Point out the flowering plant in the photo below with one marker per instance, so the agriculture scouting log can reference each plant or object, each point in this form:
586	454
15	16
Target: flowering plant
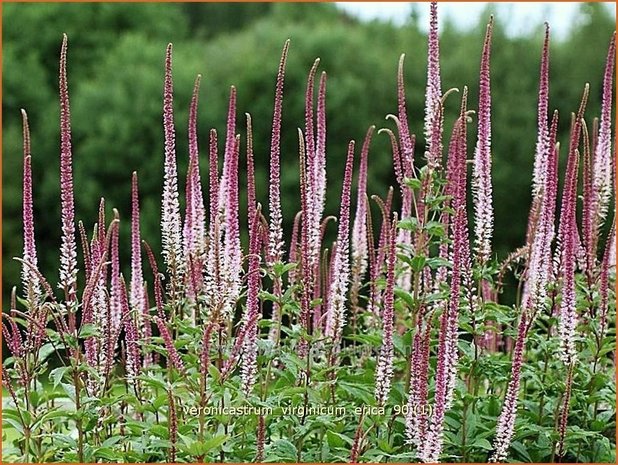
389	344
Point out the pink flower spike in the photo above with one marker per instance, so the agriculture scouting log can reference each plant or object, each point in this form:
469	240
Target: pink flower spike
360	249
213	167
252	315
433	92
146	329
317	173
540	263
158	291
604	280
446	369
230	136
384	369
116	292
506	422
542	143
481	174
335	313
32	288
193	232
137	276
68	248
133	362
172	354
233	253
274	193
575	134
251	196
171	227
309	124
402	117
602	158
568	311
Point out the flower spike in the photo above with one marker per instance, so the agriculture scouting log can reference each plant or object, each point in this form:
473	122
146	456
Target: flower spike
68	248
171	228
32	288
433	93
482	190
602	159
384	370
335	313
274	196
137	276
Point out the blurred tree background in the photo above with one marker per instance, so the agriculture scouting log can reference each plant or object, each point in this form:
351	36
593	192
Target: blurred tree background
116	55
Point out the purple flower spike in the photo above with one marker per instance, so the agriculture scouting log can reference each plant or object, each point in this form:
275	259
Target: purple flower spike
318	173
137	276
335	313
402	117
213	166
172	354
252	315
213	264
230	137
575	134
433	93
384	370
360	250
133	361
506	422
274	193
604	281
171	228
602	159
32	288
233	253
542	143
569	246
539	267
116	292
481	174
68	248
158	291
251	196
193	232
446	369
195	214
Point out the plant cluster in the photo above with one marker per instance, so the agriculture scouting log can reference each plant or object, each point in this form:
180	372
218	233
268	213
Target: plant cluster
389	344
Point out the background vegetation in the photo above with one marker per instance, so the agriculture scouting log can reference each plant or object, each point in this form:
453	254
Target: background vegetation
116	79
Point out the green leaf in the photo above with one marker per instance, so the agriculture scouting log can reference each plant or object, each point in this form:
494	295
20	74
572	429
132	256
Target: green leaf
418	263
57	374
521	450
483	444
413	183
212	443
283	450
